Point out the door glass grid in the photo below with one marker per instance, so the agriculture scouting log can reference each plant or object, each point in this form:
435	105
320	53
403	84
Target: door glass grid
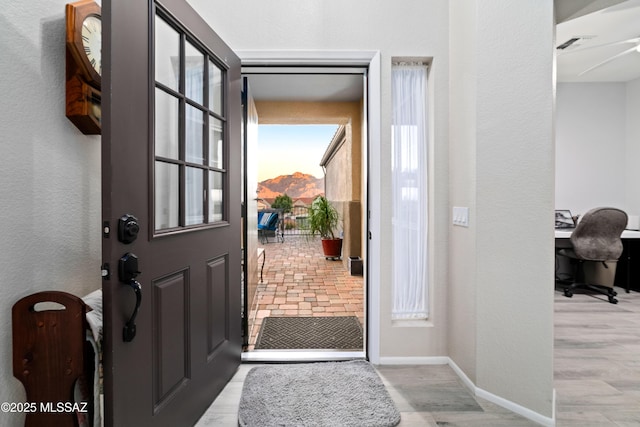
190	131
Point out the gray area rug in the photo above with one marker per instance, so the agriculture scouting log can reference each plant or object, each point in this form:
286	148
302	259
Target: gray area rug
335	333
328	394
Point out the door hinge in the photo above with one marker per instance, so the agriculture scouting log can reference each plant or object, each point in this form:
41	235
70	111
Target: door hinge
105	271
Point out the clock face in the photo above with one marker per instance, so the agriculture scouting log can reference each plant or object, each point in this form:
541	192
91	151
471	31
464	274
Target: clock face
92	41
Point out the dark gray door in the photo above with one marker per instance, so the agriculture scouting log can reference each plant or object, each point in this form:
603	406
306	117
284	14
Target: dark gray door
171	210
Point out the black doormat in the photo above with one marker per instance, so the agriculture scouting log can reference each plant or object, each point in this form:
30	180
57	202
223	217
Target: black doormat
330	333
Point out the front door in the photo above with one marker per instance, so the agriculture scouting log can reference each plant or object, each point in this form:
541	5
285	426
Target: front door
171	210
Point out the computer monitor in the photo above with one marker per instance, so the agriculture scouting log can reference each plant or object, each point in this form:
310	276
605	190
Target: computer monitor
564	219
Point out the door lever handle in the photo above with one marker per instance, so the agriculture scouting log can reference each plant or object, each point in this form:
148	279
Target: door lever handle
127	273
129	331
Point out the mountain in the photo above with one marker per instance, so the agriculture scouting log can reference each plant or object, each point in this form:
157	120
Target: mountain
295	186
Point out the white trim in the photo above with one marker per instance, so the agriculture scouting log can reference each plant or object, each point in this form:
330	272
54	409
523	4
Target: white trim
463	377
518	409
438	360
306	57
371	60
249	70
373	204
477	391
283	356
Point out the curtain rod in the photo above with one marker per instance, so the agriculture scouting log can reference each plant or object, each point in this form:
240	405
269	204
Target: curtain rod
410	63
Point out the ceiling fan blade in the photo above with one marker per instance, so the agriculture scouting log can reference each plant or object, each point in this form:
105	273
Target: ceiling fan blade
633	49
633	40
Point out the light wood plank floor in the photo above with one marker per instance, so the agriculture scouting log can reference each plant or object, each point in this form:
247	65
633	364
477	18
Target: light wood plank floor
597	376
597	360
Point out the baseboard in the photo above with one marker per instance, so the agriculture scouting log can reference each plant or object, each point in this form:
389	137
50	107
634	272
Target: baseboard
463	377
440	360
477	391
518	409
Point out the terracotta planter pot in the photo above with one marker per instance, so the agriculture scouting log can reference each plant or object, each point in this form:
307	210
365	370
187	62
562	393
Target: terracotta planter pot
332	248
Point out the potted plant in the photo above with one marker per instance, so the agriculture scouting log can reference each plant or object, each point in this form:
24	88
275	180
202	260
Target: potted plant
323	221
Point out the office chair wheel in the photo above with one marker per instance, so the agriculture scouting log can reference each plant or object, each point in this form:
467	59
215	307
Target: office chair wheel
612	300
568	293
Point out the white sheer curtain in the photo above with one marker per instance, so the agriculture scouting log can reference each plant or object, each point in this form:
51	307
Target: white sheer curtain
409	181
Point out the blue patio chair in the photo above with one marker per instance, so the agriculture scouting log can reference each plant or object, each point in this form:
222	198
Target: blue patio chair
270	224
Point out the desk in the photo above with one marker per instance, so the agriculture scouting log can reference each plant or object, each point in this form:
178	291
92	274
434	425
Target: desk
628	269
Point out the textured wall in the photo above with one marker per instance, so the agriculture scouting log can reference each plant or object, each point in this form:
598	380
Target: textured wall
50	175
502	168
514	201
342	186
590	146
419	28
632	178
50	198
462	159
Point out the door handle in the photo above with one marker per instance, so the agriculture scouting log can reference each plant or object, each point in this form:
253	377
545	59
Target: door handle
129	331
127	273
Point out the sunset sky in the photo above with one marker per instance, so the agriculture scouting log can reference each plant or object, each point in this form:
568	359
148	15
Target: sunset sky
285	149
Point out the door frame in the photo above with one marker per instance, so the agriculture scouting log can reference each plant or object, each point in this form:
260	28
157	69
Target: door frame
369	59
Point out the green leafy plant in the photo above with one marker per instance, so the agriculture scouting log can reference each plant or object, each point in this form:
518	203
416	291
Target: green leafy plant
323	218
283	202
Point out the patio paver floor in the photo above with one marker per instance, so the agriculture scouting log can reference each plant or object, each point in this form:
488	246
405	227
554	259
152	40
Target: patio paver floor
299	281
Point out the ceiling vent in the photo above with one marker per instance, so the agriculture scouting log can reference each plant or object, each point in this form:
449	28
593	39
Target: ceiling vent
568	43
575	42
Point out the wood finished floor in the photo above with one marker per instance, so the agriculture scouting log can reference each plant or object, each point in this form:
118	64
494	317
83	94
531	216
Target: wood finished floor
597	360
597	376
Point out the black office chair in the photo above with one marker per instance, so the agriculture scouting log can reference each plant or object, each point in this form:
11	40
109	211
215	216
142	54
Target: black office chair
596	239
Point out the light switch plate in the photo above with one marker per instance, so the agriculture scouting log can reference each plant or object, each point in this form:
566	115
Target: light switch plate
461	216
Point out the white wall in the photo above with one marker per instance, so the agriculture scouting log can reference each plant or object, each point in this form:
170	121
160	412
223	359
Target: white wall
591	146
363	25
515	181
632	177
513	98
501	154
50	175
462	160
50	211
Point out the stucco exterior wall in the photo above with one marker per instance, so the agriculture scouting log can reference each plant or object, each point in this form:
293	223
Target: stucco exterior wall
345	192
342	187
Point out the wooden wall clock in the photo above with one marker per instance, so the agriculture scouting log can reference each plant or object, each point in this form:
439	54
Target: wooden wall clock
84	65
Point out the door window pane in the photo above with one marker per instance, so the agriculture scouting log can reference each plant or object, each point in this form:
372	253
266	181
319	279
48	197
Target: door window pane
215	88
194	73
216	143
215	196
166	125
166	195
194	198
167	54
194	130
189	130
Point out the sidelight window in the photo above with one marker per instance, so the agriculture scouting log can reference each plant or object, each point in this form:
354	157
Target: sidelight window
410	190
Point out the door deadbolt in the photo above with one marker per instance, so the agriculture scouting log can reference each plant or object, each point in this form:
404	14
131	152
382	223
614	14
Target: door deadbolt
128	228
